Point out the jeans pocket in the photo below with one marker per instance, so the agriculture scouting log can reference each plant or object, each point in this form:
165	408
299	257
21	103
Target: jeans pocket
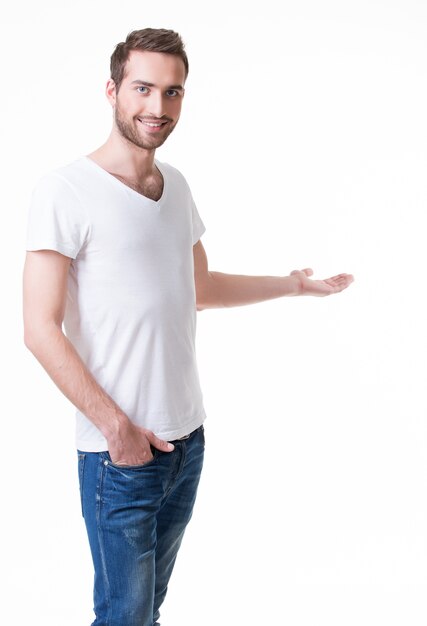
81	466
106	456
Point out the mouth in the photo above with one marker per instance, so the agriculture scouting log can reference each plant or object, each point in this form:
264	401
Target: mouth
152	125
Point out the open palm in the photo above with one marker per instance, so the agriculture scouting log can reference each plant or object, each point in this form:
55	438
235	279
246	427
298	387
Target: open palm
325	287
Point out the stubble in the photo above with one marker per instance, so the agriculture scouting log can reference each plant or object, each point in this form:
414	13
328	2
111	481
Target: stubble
129	131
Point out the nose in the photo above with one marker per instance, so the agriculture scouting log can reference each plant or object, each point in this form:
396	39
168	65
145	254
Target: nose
156	104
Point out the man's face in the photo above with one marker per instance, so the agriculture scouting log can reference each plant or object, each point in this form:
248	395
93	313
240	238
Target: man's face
148	104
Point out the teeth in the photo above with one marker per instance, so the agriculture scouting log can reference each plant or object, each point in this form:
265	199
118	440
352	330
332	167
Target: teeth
152	124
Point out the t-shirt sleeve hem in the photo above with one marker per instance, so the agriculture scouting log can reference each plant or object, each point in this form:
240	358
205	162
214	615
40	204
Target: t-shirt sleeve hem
34	246
198	233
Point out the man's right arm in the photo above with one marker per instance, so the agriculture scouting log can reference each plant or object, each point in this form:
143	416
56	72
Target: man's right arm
45	291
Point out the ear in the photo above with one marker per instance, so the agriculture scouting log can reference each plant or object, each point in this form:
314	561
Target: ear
110	92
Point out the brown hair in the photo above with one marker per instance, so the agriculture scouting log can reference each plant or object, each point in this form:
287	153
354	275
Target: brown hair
152	39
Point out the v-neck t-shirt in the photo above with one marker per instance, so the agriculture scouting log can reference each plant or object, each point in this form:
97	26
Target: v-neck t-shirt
131	305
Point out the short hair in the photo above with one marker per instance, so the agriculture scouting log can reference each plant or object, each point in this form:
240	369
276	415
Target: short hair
151	39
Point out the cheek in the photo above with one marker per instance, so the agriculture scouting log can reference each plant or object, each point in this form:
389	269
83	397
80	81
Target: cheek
175	108
131	104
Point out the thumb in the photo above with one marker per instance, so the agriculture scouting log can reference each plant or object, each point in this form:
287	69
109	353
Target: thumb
307	271
159	444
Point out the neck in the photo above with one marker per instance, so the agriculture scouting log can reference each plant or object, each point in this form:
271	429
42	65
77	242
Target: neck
120	156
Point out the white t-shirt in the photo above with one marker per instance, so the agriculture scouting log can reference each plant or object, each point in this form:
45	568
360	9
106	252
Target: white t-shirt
131	308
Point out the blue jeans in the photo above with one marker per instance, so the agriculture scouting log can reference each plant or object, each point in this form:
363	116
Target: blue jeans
135	519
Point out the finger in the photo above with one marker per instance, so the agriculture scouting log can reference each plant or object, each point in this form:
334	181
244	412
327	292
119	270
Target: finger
126	460
159	444
125	464
343	279
340	282
347	277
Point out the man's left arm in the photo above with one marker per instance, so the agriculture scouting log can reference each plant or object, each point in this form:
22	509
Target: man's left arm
215	289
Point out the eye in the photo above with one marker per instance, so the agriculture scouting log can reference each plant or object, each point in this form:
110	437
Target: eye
142	89
172	93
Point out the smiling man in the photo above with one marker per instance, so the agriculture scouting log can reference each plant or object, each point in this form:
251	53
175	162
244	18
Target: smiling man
114	256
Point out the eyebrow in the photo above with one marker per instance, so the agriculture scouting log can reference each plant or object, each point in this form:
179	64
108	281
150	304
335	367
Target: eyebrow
147	84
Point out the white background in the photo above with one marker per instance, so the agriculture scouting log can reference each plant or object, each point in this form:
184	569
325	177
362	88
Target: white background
303	137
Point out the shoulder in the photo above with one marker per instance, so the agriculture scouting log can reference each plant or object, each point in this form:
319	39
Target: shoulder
66	175
61	191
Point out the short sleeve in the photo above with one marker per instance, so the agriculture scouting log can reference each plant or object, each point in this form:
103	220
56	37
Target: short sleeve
55	218
198	226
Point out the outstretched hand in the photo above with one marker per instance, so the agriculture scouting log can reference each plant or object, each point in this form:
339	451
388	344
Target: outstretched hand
327	287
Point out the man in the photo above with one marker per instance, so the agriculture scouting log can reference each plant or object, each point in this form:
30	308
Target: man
114	253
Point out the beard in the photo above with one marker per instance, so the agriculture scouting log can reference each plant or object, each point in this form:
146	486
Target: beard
129	131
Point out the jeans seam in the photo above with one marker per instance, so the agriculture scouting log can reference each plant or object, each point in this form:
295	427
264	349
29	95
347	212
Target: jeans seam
82	459
102	472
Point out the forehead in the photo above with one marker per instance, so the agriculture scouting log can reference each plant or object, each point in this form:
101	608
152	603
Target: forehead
155	67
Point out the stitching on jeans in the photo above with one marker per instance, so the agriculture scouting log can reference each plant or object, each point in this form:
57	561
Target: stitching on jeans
82	459
99	486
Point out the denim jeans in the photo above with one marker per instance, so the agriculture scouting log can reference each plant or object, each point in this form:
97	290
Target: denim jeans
135	519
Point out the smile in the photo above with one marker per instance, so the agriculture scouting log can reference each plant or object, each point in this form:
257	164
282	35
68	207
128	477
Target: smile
151	124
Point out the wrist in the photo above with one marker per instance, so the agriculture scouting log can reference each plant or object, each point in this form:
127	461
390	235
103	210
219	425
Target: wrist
115	426
293	285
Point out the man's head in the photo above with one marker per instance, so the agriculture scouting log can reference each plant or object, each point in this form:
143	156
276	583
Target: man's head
147	39
146	87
